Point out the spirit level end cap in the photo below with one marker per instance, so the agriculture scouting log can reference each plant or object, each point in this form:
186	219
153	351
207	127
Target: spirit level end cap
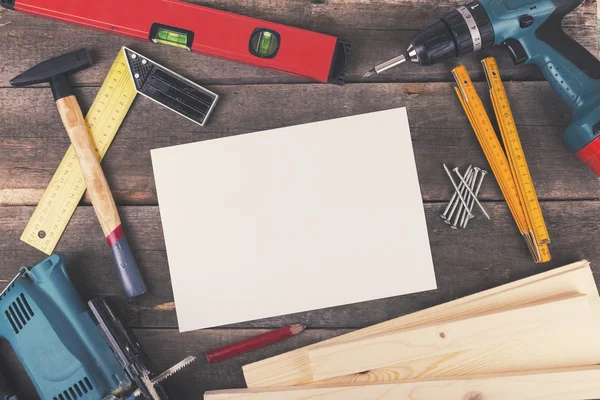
590	155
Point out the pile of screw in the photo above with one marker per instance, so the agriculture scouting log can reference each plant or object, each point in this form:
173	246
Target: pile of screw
460	209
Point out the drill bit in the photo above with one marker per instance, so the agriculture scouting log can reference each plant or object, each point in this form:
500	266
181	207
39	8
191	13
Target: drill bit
387	65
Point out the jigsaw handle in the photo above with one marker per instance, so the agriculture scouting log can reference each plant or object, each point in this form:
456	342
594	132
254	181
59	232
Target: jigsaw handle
55	337
101	196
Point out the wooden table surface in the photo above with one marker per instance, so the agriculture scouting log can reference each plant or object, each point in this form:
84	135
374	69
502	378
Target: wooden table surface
487	254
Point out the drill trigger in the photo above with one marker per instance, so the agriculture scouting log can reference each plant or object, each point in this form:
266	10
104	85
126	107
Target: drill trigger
516	50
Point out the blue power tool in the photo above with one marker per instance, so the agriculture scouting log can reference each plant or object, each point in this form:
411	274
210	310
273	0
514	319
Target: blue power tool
70	351
531	31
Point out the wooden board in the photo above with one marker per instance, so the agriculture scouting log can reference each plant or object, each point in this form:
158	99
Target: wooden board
295	367
90	264
570	384
32	151
553	334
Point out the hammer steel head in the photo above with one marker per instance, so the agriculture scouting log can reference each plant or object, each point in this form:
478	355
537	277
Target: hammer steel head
55	71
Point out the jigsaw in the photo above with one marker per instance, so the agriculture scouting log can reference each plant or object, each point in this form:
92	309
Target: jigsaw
71	351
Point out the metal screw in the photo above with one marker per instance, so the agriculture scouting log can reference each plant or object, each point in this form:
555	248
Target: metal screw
483	174
134	56
460	196
137	76
471	193
144	61
454	198
466	210
470	201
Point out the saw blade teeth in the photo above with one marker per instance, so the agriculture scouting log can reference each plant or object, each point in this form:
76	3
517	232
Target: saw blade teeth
175	368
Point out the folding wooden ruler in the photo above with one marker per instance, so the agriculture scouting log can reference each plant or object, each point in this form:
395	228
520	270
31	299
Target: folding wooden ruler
512	172
130	74
514	150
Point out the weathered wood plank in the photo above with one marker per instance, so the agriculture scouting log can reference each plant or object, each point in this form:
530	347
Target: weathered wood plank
31	150
377	30
485	255
167	347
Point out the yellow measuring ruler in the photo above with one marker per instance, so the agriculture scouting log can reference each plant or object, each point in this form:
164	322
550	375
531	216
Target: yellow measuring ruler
497	159
512	144
67	186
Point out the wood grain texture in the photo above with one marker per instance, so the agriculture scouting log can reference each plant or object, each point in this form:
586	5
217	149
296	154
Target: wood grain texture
378	30
295	367
439	129
510	340
97	186
566	384
483	256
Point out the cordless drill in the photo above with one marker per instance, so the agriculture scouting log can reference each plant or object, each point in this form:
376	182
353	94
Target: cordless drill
531	31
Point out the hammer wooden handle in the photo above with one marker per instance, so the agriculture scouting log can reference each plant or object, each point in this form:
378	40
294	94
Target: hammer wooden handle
97	186
100	194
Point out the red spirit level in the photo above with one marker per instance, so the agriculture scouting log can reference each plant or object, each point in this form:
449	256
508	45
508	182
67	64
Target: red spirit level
204	30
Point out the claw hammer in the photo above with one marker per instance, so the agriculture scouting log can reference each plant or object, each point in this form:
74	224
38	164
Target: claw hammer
55	72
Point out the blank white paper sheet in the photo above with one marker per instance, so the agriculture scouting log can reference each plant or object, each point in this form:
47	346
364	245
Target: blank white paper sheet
293	219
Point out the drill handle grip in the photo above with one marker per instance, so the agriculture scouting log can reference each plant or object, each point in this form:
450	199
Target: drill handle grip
566	64
572	71
574	75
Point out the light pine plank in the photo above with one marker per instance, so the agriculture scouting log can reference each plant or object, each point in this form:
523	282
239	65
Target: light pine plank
293	368
568	384
553	334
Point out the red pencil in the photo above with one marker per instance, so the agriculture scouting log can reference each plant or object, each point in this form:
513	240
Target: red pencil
255	342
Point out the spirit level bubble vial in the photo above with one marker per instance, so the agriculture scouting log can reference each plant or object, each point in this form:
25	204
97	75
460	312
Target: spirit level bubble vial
264	43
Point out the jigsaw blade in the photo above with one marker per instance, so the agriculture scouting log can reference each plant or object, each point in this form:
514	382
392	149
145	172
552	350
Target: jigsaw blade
174	369
168	373
129	352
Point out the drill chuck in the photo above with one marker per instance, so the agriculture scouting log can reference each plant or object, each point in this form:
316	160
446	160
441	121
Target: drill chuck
464	30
